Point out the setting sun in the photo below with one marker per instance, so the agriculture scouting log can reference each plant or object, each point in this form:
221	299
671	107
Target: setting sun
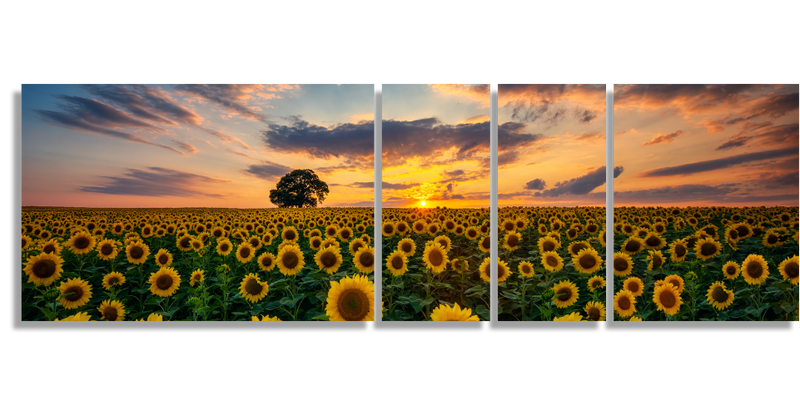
422	203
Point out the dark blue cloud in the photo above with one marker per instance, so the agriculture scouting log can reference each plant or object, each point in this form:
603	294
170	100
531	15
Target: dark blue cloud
268	170
716	164
535	184
156	182
580	185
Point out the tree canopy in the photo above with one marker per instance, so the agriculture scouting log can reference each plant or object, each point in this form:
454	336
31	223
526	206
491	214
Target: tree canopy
298	189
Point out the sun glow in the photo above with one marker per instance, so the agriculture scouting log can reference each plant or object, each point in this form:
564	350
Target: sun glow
422	203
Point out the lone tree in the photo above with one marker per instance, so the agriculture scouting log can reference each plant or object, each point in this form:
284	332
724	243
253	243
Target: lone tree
300	188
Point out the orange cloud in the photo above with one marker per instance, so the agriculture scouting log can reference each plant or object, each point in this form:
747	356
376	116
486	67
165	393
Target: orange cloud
476	119
475	92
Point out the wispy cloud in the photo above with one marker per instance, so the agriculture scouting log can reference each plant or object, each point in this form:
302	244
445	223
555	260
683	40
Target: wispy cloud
716	164
157	182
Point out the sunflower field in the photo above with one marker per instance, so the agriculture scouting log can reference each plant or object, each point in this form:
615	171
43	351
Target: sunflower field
197	264
549	264
706	264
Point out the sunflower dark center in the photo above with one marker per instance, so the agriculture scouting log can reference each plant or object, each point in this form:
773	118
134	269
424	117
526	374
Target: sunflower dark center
487	243
164	282
388	228
620	264
548	246
667	299
253	287
653	241
596	284
772	238
632	286
594	314
137	252
576	248
345	234
353	305
110	314
526	269
397	263
224	247
719	294
624	303
754	269
186	242
328	259
552	261
730	270
509	226
564	294
290	235
742	230
366	259
501	272
245	252
588	261
73	293
290	259
436	258
406	247
82	242
266	261
732	234
657	262
44	268
680	251
513	240
163	259
106	249
471	233
791	269
708	249
113	281
632	246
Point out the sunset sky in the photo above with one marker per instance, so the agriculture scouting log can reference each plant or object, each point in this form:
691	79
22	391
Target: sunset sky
682	145
193	145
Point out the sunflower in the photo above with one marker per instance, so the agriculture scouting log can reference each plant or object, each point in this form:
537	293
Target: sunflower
575	248
164	282
655	260
447	313
137	252
718	296
80	316
266	318
75	293
245	253
435	258
345	233
355	245
587	261
731	270
364	259
511	241
788	269
407	246
667	298
388	229
595	311
472	233
113	279
675	280
289	234
197	277
444	241
771	239
252	288
623	264
397	263
654	241
485	245
596	282
224	247
351	299
678	250
328	259
707	248
266	261
525	269
163	258
624	303
502	270
632	245
184	243
107	249
290	260
26	242
575	316
81	243
152	318
635	319
755	269
112	310
43	269
634	285
552	261
315	242
566	294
